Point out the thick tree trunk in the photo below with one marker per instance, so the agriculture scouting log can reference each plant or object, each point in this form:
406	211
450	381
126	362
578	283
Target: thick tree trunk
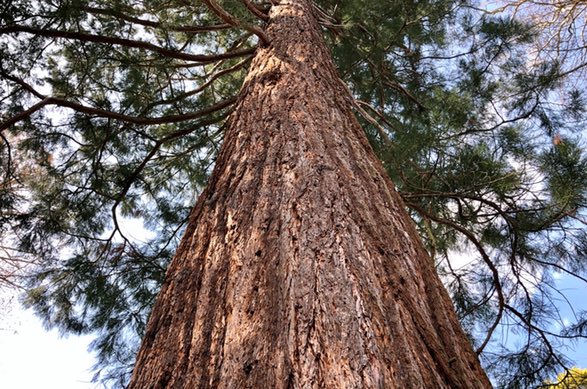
300	267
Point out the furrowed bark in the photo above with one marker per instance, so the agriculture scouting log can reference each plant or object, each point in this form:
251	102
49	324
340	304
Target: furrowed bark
300	267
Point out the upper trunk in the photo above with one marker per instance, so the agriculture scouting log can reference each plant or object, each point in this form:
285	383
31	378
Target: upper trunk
300	267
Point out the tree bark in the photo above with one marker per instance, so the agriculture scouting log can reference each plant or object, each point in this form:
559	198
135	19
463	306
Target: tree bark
300	267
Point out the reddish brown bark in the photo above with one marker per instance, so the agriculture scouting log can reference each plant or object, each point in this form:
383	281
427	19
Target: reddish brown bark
300	267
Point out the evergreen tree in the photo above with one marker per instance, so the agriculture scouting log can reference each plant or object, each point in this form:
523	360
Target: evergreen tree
116	109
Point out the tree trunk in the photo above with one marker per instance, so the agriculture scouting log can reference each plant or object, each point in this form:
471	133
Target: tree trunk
300	267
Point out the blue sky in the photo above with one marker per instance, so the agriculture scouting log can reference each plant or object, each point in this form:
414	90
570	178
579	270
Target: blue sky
576	292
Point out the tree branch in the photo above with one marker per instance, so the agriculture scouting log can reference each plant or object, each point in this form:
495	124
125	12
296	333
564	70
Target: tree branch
255	10
84	37
117	116
233	21
192	92
149	23
494	272
8	174
47	100
23	115
135	174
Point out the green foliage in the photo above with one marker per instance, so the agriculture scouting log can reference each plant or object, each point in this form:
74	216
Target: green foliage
565	170
483	141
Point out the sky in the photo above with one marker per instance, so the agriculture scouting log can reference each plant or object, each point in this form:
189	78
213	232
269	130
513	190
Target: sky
576	293
32	358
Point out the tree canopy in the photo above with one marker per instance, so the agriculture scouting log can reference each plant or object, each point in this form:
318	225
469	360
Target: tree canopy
113	111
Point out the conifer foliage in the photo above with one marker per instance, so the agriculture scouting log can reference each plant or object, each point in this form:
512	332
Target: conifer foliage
113	112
